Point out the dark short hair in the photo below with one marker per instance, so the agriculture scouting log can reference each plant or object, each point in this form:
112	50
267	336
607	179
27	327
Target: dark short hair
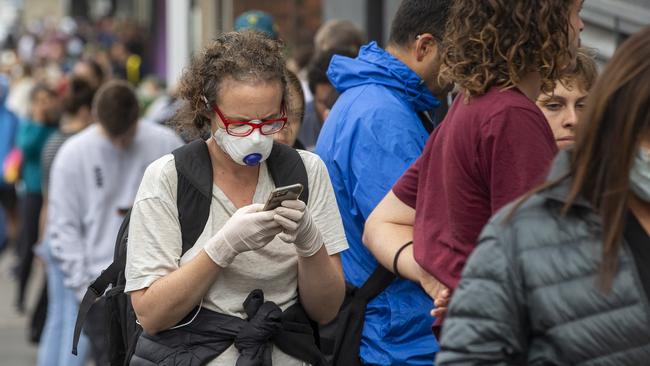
416	17
96	68
317	68
116	107
79	94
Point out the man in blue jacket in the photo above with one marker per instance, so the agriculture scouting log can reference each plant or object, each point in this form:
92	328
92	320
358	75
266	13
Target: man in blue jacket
376	129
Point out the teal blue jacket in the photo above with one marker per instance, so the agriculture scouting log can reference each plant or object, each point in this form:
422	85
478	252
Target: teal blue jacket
31	139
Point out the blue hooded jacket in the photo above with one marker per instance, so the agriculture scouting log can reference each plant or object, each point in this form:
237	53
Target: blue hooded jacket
371	136
8	126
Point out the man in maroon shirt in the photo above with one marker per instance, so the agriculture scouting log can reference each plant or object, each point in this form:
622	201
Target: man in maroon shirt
493	146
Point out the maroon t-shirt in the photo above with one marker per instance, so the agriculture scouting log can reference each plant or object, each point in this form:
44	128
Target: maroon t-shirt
484	155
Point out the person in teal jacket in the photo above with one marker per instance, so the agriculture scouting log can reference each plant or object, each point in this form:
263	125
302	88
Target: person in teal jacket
32	135
377	128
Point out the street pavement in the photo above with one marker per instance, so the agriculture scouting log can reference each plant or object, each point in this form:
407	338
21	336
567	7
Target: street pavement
15	350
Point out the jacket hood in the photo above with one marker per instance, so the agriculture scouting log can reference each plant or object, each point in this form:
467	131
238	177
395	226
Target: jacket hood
376	66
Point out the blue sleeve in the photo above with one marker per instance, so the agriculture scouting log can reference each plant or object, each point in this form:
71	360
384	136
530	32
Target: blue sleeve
384	146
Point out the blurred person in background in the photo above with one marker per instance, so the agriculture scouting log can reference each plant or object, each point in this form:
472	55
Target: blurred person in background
565	105
562	277
493	146
18	100
297	63
56	341
295	105
8	129
33	134
339	34
320	88
93	182
333	34
90	71
375	130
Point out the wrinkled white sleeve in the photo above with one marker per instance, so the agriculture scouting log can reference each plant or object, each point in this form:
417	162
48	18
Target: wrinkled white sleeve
65	219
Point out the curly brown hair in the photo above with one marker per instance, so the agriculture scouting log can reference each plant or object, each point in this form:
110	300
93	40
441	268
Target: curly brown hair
585	72
496	42
245	56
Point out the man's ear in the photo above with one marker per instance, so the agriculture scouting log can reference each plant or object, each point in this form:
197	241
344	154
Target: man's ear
425	44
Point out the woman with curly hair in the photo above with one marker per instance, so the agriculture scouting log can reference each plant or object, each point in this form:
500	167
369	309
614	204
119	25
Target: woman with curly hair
252	271
493	145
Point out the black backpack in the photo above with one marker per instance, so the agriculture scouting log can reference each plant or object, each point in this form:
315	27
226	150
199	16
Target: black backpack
194	196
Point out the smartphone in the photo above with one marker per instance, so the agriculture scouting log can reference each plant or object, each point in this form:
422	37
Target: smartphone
280	194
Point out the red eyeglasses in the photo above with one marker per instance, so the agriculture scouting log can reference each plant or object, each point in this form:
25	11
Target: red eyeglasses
244	128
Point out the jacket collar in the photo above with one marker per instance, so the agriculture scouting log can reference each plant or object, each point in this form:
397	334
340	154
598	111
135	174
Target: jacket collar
561	167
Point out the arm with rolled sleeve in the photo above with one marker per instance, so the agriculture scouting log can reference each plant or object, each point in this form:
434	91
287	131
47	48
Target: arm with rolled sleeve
65	224
486	318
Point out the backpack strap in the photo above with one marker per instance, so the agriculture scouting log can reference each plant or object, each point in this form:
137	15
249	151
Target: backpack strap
343	335
427	121
107	277
286	168
194	193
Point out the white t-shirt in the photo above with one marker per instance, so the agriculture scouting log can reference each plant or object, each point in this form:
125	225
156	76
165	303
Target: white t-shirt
154	248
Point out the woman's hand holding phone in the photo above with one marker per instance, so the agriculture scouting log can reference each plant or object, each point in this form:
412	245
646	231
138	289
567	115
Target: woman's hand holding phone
250	228
298	227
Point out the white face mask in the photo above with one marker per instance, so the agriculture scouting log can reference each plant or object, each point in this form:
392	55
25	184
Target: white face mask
640	175
249	150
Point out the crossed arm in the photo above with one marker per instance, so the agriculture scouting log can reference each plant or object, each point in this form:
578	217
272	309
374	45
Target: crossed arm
387	229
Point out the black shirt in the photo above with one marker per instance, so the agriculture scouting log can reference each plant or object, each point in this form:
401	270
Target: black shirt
639	243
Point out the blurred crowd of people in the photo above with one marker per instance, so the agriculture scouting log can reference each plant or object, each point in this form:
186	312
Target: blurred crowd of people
477	192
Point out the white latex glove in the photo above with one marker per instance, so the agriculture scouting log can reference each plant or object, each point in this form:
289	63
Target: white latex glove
248	229
298	227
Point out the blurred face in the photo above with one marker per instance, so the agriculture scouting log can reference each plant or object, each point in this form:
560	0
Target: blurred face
321	96
45	108
563	110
